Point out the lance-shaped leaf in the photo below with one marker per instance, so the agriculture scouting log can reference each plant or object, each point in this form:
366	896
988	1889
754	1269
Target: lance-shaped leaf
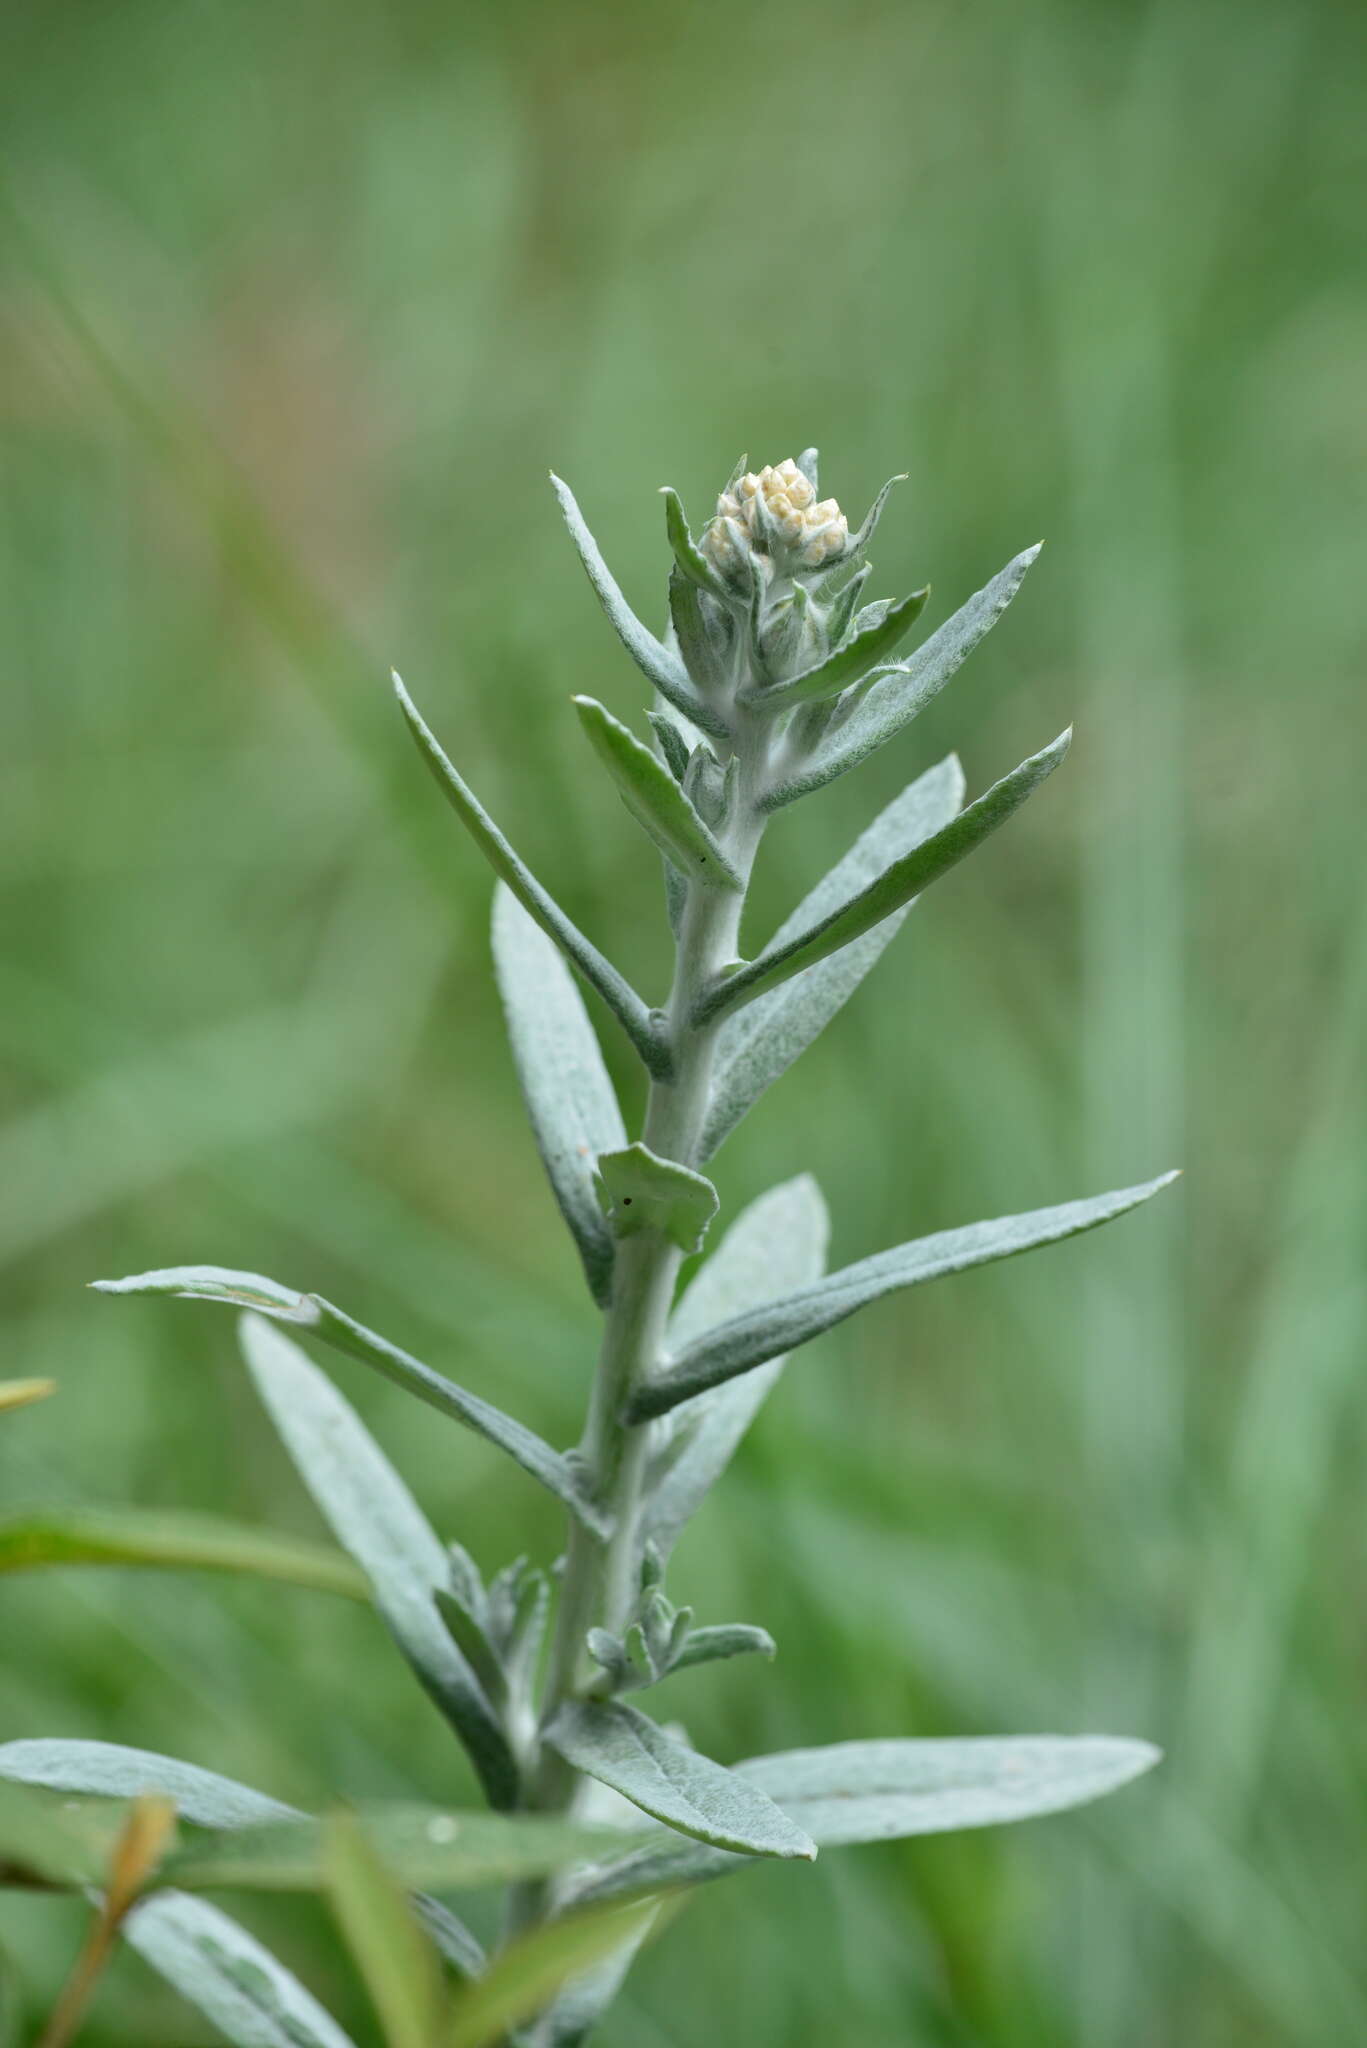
748	1340
893	700
778	1242
599	972
845	664
759	1042
112	1771
655	799
175	1542
374	1517
529	1973
311	1312
228	1976
692	562
886	1791
897	885
434	1848
651	656
860	539
625	1749
640	1191
395	1959
569	1097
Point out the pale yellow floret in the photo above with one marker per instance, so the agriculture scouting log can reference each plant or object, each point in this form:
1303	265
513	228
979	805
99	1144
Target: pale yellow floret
814	532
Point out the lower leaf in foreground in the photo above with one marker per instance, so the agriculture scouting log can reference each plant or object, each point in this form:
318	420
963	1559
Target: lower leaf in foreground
226	1973
853	1792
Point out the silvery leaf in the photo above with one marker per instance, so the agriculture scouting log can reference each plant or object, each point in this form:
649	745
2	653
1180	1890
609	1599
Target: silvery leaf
625	1749
893	700
760	1041
749	1340
569	1097
895	886
374	1516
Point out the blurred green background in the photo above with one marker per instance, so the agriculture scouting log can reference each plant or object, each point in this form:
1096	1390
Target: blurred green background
298	305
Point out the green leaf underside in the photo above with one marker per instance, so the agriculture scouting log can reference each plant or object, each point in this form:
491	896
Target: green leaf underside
66	1842
109	1770
760	1041
597	970
375	1518
651	656
311	1312
655	800
175	1542
625	1749
532	1971
897	885
431	1847
779	1241
565	1085
641	1191
748	1340
228	1976
844	665
397	1963
853	1792
893	700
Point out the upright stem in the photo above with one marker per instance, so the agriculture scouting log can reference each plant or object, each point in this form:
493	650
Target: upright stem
602	1574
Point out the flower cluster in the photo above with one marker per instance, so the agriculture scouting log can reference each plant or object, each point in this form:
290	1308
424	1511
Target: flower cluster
775	511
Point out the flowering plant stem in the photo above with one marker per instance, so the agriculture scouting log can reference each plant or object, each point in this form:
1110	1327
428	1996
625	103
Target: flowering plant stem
773	681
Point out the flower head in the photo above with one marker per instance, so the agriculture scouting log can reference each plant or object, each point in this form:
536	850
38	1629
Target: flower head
775	512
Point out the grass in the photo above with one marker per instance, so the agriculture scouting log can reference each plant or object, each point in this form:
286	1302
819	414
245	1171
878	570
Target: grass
297	309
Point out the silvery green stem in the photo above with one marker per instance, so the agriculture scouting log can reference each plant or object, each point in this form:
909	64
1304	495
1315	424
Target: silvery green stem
601	1575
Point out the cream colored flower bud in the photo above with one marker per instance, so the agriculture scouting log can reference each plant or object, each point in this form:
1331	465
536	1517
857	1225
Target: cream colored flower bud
813	533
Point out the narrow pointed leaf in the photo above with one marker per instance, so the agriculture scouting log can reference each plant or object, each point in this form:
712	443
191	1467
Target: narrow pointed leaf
748	1340
529	1973
570	1100
640	1191
311	1312
432	1848
778	1242
651	656
228	1976
760	1041
729	1639
111	1771
692	562
175	1542
845	665
393	1955
861	538
896	886
599	972
891	702
886	1791
374	1517
625	1749
655	799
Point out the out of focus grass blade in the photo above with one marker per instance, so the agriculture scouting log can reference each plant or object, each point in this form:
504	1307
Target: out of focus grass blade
175	1542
